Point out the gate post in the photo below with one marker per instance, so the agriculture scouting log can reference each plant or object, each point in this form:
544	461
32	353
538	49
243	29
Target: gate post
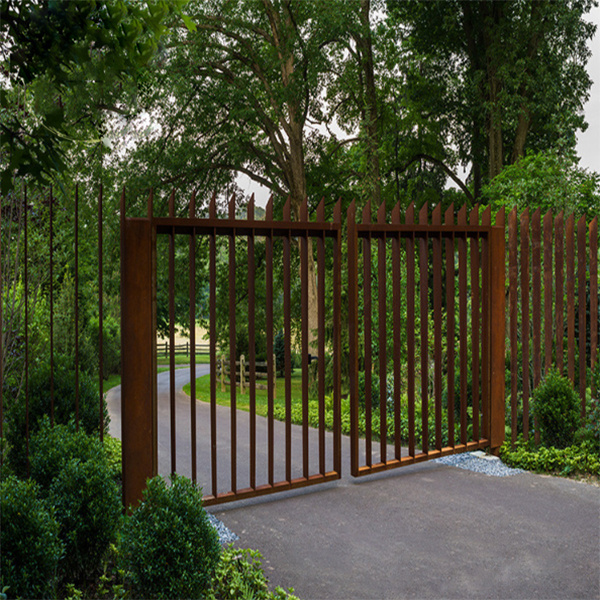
497	341
138	384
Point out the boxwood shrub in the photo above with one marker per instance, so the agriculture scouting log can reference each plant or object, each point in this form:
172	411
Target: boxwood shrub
168	547
31	548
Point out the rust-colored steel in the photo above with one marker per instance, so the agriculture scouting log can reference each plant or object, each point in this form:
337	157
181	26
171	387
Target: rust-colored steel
305	349
171	293
570	259
536	296
548	279
337	340
436	240
524	243
270	366
382	342
450	320
212	278
397	332
559	278
423	314
51	294
582	301
287	328
138	387
321	337
486	269
100	317
410	330
232	351
513	298
368	343
594	293
251	279
26	324
475	317
77	306
192	325
353	335
462	320
497	282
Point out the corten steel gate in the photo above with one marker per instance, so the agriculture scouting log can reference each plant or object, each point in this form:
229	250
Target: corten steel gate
467	386
446	357
226	443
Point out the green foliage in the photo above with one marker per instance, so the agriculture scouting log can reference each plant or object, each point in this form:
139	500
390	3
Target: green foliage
74	473
112	447
168	546
578	459
548	181
40	406
29	540
555	406
239	575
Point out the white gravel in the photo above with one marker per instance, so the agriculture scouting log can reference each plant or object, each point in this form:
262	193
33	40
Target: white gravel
226	536
479	462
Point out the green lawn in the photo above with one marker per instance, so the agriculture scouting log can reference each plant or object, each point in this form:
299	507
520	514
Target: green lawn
182	359
243	400
114	380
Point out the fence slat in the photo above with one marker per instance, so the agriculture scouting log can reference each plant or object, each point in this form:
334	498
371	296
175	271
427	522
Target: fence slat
582	301
594	298
212	277
287	327
450	319
321	337
397	331
436	240
424	311
524	232
192	325
475	321
272	365
462	307
536	297
548	287
486	268
382	302
368	343
410	334
570	258
513	299
304	243
559	278
171	292
251	284
232	348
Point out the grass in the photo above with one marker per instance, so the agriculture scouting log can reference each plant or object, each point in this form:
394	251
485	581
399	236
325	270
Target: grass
243	400
182	359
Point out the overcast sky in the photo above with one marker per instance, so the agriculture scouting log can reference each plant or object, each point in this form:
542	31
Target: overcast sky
588	146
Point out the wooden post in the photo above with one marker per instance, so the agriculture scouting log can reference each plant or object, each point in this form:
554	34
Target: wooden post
222	374
242	373
274	377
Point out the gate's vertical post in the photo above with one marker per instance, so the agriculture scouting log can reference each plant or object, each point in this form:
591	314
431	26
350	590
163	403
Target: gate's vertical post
497	324
353	335
138	385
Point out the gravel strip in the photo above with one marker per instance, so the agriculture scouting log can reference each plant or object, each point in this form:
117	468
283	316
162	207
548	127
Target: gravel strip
479	462
225	535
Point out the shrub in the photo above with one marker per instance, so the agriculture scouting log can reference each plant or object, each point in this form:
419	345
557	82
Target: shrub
40	405
555	406
239	575
168	546
29	539
73	470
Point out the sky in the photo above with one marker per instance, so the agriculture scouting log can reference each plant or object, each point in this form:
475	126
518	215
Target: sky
588	143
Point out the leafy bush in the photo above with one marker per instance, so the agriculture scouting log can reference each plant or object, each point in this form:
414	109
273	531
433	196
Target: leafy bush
112	446
75	475
168	546
555	406
29	539
40	404
579	459
239	575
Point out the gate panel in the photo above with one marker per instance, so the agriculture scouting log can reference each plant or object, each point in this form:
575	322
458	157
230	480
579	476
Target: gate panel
438	287
235	453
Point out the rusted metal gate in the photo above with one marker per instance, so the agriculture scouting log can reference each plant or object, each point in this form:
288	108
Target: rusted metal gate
286	250
407	286
446	357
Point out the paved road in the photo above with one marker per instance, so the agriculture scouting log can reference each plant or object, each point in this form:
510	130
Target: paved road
424	531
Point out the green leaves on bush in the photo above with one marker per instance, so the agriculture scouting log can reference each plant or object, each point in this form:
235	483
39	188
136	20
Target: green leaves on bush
73	471
579	459
239	575
40	406
555	406
168	546
29	540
